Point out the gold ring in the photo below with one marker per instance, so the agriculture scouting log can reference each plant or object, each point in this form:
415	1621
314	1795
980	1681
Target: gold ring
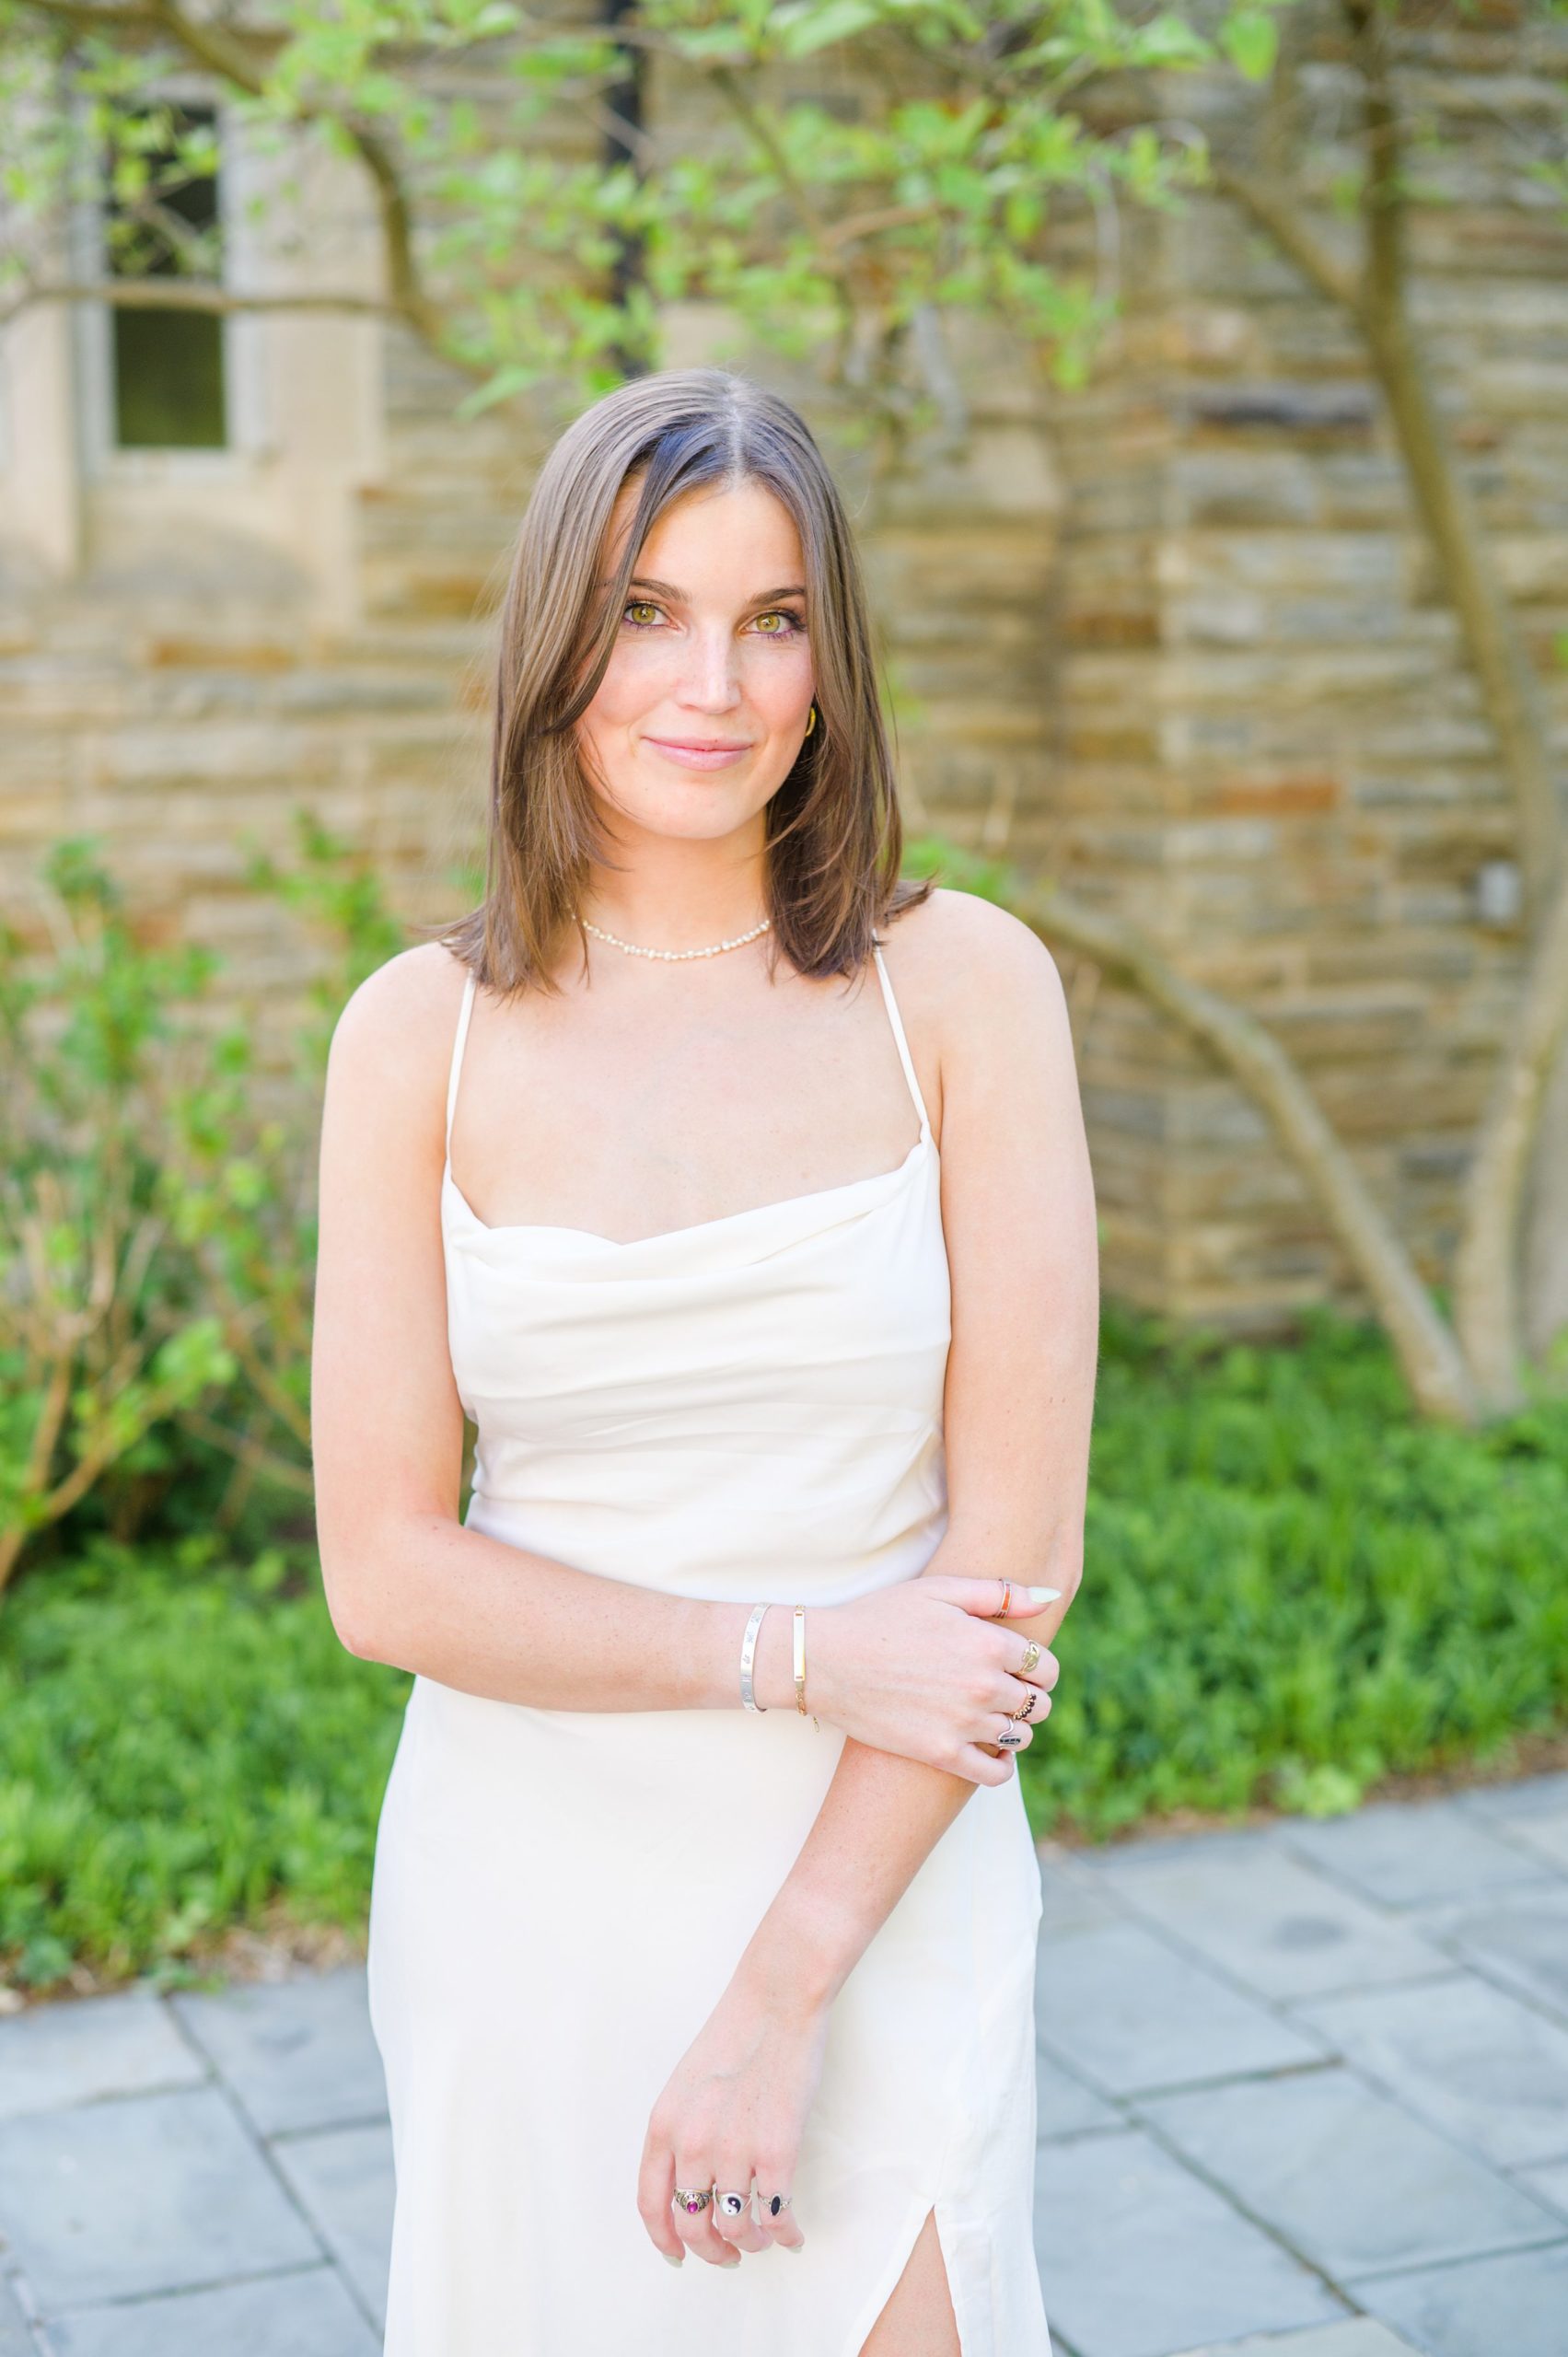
1006	1604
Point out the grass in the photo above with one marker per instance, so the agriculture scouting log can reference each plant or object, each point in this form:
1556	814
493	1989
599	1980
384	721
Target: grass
1293	1592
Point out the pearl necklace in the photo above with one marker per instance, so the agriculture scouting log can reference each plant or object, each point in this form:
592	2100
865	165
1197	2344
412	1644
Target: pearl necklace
712	950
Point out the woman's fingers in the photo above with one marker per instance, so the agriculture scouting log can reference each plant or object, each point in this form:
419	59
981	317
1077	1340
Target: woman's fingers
735	2219
656	2188
993	1599
695	2227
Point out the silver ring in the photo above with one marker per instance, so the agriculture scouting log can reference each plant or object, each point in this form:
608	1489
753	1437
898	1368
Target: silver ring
731	2205
692	2199
1009	1739
774	2202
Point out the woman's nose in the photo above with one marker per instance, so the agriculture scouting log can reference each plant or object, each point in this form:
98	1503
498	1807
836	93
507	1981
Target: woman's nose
711	672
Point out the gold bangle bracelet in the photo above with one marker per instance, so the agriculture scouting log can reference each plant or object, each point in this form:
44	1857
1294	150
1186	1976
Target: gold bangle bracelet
800	1668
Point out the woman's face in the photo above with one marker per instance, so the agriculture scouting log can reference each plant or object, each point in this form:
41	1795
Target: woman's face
700	713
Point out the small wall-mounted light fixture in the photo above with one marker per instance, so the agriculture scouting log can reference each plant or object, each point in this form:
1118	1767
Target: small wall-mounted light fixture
1499	892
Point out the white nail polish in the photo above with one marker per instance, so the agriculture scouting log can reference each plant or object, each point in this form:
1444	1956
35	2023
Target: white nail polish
669	2262
1042	1594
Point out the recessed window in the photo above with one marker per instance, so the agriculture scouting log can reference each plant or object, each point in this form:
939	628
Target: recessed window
163	219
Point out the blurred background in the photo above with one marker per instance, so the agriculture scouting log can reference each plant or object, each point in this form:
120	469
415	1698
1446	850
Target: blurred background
1198	380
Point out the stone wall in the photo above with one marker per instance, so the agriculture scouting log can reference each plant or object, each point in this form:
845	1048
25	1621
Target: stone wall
1174	637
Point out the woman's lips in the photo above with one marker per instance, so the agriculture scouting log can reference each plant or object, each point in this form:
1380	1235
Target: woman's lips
691	757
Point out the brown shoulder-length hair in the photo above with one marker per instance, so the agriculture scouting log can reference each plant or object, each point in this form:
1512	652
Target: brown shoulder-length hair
834	839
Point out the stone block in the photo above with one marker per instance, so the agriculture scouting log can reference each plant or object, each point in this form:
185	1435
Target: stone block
1474	2061
149	2193
1138	2257
1409	1855
1131	2012
79	2050
1346	2177
298	2053
1518	1936
307	2315
1510	2304
1265	1918
345	2182
15	2335
1357	2337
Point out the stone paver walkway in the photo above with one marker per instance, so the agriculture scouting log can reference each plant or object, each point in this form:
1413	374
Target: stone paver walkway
1304	2092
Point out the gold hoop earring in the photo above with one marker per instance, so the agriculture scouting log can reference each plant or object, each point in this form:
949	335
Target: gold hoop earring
811	721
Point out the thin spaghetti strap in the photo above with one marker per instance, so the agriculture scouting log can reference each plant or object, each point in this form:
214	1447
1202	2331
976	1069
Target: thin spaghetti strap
458	1046
903	1046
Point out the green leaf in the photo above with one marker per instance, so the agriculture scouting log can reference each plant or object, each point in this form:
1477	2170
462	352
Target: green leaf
1250	39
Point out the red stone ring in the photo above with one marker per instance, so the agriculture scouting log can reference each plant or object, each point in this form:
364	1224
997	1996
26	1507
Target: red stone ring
692	2201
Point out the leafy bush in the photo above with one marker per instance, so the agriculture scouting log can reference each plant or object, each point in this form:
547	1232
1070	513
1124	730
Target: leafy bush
158	1231
182	1741
1294	1585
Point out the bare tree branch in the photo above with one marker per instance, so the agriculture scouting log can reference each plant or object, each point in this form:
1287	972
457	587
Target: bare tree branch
1486	1285
1428	1353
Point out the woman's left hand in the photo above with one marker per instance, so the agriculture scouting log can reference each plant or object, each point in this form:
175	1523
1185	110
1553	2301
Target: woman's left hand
734	2109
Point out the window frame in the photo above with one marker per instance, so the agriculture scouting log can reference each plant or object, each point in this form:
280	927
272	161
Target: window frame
246	440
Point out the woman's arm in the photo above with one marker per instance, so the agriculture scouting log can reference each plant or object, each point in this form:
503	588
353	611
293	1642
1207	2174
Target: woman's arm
408	1582
1019	1217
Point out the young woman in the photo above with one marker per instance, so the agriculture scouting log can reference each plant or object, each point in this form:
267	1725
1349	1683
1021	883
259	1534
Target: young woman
782	1414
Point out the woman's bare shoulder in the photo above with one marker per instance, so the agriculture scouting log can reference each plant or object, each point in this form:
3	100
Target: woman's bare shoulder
965	965
392	1042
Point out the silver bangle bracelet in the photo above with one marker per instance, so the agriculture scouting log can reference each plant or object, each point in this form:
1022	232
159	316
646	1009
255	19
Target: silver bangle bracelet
748	1658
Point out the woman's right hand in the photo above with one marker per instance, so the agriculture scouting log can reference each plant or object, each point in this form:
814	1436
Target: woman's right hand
922	1669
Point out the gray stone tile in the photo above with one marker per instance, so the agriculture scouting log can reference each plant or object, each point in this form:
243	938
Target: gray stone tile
282	2316
1532	1815
1242	1900
1518	1937
1358	2337
1075	1898
16	2339
1066	2106
147	2194
1346	2177
1514	2305
1138	2257
1476	2062
1123	2007
342	2178
1406	1855
83	2048
1549	2185
1526	1796
298	2053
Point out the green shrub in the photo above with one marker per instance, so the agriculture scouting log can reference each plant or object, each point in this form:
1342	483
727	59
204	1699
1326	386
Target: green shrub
1294	1587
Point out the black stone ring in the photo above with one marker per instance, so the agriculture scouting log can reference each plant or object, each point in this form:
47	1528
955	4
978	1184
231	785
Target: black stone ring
774	2202
1009	1739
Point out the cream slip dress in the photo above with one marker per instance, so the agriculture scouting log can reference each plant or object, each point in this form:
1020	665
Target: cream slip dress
747	1408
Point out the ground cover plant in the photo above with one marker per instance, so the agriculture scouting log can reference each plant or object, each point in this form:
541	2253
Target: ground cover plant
1295	1587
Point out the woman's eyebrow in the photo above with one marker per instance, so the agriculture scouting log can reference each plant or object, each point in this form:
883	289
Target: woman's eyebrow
668	590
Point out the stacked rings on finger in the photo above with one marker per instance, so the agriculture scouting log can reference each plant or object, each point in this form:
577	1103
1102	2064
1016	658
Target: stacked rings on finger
692	2198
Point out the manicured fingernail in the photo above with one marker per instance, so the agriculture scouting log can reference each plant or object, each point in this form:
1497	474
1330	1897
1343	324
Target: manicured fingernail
671	2261
728	2263
1042	1594
796	2247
